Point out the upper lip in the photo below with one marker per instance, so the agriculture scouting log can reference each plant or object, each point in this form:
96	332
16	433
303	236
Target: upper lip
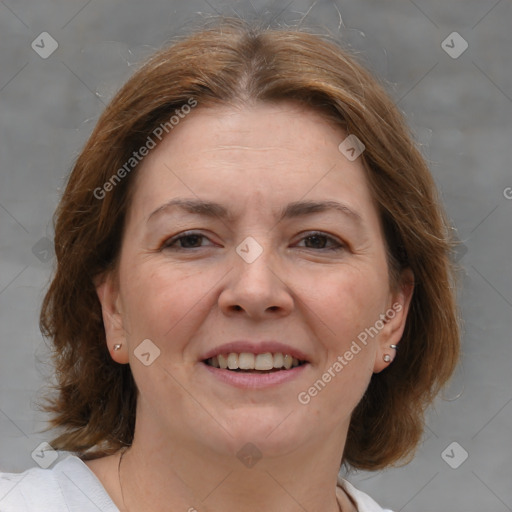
255	347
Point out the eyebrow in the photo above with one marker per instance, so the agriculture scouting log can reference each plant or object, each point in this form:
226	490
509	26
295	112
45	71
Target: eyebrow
292	210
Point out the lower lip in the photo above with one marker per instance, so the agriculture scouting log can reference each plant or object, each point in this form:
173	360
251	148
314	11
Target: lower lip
255	380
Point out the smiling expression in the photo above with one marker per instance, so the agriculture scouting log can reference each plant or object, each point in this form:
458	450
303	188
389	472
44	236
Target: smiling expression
252	257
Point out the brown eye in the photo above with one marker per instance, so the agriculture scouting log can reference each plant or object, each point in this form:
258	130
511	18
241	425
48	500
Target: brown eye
321	241
185	241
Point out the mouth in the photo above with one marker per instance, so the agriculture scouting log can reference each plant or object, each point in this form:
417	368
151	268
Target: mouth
255	365
246	362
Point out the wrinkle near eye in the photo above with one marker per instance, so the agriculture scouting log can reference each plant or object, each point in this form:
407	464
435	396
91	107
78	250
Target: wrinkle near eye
249	148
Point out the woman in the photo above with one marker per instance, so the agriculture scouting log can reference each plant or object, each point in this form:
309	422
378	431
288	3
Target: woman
253	287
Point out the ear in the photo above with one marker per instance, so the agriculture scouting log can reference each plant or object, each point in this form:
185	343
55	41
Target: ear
394	321
107	289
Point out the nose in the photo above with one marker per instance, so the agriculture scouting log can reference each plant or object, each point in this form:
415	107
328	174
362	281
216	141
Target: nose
256	290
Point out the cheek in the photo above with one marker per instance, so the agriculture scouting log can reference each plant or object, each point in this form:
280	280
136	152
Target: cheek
351	304
350	301
167	302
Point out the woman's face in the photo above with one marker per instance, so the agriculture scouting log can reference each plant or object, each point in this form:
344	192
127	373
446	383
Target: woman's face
251	233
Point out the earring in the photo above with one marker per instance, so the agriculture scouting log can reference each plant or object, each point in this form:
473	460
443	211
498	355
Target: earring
387	358
394	347
117	346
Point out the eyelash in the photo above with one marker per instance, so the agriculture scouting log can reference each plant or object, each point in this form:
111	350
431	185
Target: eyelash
338	245
168	244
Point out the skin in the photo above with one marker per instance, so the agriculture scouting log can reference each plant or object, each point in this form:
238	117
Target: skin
316	294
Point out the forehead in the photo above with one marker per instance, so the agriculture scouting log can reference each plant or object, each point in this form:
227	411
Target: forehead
251	156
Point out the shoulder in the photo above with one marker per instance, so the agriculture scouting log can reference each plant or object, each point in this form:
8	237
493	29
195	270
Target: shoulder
361	500
69	485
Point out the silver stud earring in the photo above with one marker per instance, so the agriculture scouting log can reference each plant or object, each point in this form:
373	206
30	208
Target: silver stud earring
394	347
387	358
117	346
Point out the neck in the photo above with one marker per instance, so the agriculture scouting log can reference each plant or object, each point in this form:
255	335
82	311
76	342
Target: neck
179	477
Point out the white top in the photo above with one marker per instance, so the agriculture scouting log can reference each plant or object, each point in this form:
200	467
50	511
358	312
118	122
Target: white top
70	486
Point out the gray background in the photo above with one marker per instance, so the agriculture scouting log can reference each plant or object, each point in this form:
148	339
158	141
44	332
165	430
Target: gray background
459	109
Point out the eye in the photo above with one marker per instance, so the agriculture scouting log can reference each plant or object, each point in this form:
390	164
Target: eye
322	241
188	240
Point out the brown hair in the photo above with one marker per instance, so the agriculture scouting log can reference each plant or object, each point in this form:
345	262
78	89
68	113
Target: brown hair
231	63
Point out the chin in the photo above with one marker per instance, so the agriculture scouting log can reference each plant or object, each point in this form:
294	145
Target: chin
273	431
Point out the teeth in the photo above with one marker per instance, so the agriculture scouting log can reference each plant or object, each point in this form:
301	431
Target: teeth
233	361
223	362
248	361
264	361
278	360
